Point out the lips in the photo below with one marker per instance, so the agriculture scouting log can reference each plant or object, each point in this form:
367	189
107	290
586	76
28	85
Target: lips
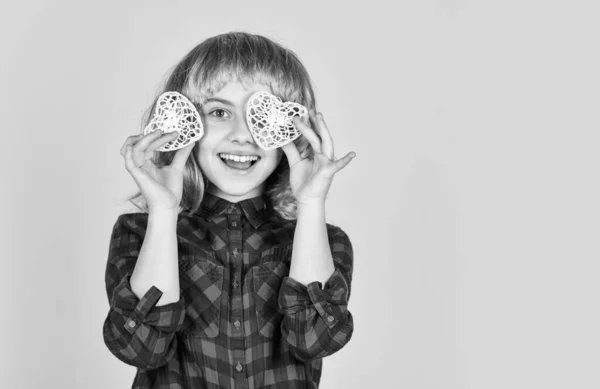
239	162
238	165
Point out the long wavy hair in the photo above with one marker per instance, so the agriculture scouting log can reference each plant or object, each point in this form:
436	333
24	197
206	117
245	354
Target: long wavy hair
208	67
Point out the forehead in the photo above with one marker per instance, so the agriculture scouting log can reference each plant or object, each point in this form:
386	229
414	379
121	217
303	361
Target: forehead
238	92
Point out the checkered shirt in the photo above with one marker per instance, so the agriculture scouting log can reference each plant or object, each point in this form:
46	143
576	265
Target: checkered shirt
241	321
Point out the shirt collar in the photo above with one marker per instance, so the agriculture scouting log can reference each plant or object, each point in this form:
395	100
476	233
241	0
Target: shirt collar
257	209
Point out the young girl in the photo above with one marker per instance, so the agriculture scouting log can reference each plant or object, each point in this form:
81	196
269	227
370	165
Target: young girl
230	278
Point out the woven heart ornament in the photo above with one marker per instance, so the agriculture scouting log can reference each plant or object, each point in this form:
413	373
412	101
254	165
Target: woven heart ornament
270	120
174	112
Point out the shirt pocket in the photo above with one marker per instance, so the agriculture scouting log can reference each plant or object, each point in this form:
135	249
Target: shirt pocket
202	287
267	278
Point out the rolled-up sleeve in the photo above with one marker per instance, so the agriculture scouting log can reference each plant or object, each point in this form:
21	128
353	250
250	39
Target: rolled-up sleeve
317	322
136	331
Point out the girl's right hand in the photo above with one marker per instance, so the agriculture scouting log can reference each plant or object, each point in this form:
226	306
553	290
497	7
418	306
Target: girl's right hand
162	187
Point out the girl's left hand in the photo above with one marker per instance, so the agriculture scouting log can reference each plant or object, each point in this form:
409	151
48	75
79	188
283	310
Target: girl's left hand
310	179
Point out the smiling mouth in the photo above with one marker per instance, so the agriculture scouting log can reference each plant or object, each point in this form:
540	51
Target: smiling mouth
239	162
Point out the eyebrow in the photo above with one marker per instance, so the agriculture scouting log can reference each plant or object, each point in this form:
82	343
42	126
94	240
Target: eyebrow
217	100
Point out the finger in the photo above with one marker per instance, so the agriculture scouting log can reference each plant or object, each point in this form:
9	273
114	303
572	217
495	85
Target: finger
161	141
321	129
343	162
182	155
292	153
130	140
138	144
135	160
141	177
130	164
154	145
326	141
309	133
143	143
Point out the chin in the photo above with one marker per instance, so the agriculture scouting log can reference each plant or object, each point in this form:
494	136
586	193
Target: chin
228	182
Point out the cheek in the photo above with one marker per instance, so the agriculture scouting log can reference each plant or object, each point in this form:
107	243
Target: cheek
277	155
275	159
203	155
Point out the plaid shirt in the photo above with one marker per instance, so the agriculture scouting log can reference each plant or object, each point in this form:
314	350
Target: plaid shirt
241	321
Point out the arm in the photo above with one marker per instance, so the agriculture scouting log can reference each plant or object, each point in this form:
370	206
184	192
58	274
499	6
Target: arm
311	256
142	320
317	322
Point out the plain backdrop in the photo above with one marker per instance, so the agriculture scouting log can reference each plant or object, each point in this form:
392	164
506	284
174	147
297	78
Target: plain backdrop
472	203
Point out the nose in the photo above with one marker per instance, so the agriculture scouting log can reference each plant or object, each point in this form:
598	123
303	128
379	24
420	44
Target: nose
240	133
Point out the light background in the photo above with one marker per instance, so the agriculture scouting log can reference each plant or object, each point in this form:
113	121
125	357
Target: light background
472	203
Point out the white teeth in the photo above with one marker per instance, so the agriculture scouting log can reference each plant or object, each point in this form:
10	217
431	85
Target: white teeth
239	158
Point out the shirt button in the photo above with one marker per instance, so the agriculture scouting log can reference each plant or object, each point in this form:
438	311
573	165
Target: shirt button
235	283
131	323
236	252
330	318
238	367
234	224
236	323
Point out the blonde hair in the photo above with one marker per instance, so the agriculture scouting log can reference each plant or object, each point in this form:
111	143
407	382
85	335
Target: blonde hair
208	67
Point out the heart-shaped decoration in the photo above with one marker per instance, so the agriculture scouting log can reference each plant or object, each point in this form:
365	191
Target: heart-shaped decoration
174	112
270	120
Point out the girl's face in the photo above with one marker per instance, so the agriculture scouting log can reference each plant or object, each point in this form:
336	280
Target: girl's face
227	153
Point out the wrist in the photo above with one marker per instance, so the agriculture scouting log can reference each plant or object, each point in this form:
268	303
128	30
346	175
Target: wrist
163	213
311	206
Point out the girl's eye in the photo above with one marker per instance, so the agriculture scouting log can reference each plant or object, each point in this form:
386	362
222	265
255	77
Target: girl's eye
219	113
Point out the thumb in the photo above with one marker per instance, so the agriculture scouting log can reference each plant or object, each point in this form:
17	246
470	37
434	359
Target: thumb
342	162
182	155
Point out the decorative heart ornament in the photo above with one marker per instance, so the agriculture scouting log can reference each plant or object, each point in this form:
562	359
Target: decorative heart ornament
174	112
270	120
